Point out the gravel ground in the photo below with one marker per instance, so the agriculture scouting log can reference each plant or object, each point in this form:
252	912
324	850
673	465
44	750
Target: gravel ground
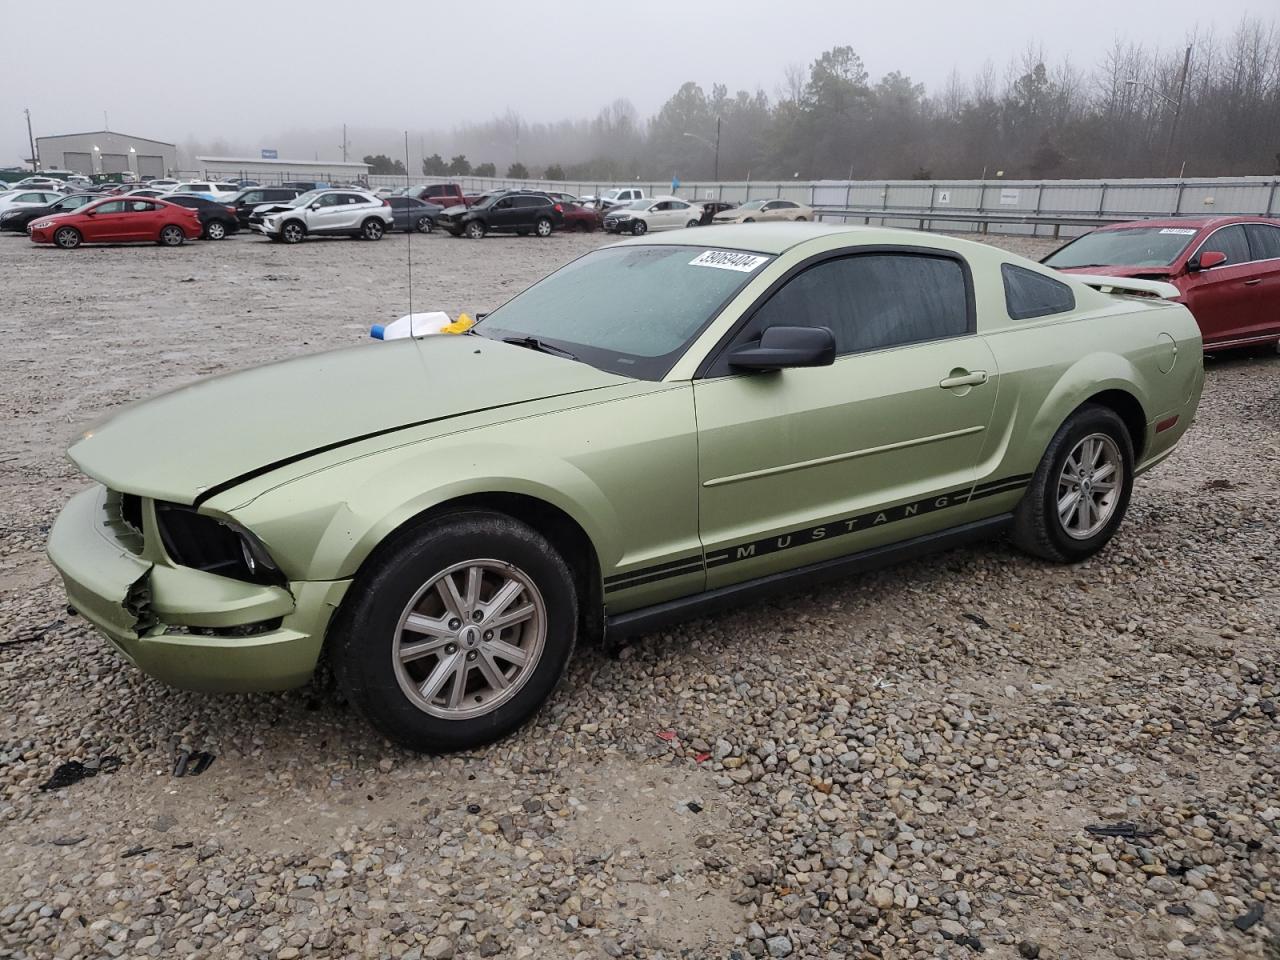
906	764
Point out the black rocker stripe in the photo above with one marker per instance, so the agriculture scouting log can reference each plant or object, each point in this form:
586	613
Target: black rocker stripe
670	568
814	534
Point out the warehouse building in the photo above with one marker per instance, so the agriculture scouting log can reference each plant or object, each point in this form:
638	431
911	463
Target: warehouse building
279	171
105	151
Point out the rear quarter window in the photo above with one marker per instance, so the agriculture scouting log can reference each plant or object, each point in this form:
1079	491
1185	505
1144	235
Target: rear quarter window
1028	295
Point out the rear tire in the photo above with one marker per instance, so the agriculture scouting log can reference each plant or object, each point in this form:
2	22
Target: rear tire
172	236
215	230
1080	492
543	227
68	238
420	598
475	230
372	229
800	219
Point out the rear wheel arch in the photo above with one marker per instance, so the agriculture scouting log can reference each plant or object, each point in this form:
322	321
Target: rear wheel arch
1129	409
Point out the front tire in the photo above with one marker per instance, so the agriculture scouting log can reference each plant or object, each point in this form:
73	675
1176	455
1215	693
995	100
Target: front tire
475	230
691	224
458	633
172	236
1080	492
749	220
68	238
639	228
293	232
372	229
424	225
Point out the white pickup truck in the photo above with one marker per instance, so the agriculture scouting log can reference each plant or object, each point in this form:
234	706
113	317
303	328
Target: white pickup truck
615	197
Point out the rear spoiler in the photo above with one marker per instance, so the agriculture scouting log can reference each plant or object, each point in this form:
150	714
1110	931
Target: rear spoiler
1130	286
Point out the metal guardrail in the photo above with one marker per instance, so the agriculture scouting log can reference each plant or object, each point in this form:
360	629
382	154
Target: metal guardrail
982	218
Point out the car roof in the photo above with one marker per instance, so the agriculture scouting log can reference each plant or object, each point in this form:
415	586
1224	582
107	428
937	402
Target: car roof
778	238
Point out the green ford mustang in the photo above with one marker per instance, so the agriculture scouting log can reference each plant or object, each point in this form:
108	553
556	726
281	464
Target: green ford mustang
660	428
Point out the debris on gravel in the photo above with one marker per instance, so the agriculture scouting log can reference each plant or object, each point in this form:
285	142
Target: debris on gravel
972	753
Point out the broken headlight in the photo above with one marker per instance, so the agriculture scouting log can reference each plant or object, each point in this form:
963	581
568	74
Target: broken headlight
206	543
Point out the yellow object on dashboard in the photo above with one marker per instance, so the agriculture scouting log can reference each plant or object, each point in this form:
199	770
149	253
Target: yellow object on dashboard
461	325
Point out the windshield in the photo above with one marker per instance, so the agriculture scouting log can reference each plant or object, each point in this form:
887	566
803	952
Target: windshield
1130	247
636	205
753	205
627	310
487	201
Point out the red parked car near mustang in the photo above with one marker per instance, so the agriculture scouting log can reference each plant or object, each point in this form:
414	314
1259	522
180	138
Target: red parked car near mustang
119	220
1227	268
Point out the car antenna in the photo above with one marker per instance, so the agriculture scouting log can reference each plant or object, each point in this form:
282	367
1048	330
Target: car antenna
408	246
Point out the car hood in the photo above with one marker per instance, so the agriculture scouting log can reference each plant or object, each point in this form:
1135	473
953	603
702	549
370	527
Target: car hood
1120	271
182	445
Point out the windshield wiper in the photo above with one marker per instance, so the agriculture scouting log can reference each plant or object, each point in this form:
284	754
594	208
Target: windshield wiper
533	343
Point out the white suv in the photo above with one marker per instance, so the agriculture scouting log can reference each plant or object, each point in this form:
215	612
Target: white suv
329	213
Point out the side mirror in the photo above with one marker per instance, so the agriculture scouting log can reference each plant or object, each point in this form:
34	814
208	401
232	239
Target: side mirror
781	347
1206	259
315	206
91	213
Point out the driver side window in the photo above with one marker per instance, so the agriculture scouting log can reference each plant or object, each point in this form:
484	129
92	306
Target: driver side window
1232	241
872	301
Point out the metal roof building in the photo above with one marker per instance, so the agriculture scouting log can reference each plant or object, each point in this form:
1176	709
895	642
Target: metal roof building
278	171
105	151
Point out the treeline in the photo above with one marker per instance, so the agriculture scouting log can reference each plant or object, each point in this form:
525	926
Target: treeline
1132	114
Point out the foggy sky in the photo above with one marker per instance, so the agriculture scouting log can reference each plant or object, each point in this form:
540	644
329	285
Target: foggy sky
250	73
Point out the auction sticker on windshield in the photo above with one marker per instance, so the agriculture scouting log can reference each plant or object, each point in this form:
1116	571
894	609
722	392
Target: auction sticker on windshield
1180	231
727	260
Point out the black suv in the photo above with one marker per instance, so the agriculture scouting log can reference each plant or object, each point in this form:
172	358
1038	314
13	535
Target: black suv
251	197
514	211
218	219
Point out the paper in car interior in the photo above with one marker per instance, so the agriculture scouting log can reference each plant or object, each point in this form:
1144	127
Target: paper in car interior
728	260
1181	231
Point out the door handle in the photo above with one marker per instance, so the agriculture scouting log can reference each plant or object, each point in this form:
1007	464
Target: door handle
1250	283
974	379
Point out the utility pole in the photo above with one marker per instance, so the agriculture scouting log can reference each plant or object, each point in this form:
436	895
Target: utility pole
716	170
35	161
1177	106
344	143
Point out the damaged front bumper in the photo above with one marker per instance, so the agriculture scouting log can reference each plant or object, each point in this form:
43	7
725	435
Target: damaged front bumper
186	627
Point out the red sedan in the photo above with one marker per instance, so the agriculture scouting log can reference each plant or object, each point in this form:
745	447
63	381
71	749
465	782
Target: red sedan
578	217
119	220
1227	268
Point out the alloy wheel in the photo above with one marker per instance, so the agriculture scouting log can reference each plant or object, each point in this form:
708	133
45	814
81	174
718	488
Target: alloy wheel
469	639
67	238
292	233
1089	486
215	231
171	236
